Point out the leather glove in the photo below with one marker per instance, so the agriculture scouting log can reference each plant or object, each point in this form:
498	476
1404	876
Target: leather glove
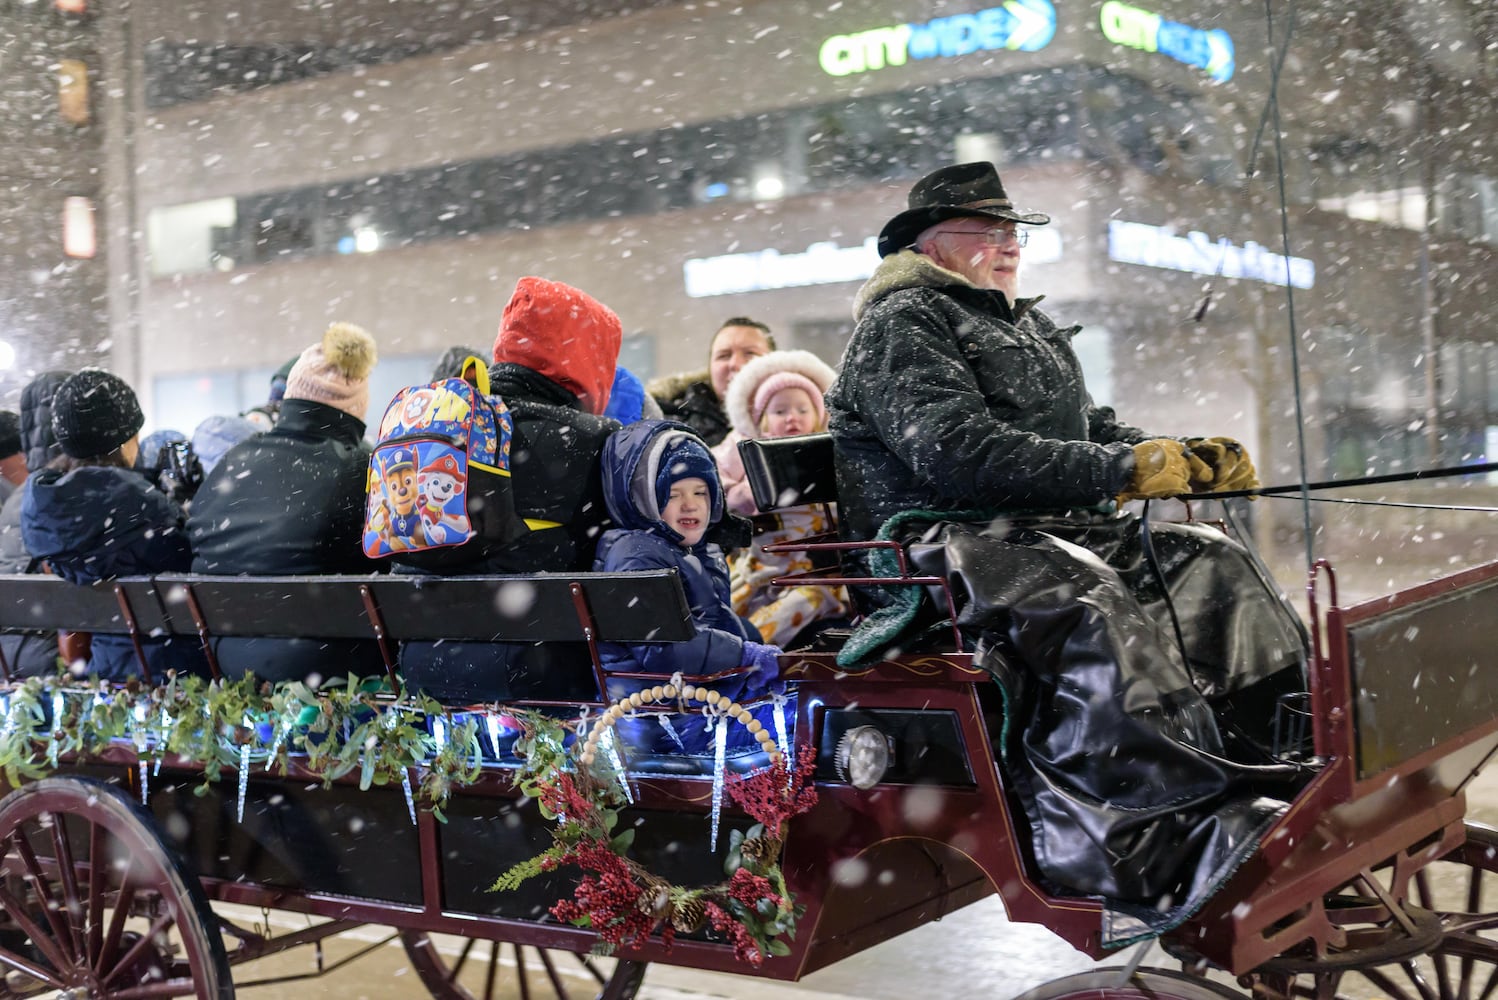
765	659
1160	470
1229	464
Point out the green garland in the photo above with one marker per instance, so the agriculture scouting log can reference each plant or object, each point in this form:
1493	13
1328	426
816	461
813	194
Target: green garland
336	730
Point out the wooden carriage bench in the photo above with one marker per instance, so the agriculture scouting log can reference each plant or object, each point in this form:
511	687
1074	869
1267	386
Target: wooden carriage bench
580	609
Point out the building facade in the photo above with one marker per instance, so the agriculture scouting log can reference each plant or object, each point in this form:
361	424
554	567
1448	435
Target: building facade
686	162
53	270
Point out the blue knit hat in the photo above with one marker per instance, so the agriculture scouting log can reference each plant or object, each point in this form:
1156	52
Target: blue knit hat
686	457
627	398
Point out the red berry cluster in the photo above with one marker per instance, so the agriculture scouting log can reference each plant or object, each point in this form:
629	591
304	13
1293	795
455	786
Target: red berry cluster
749	888
775	795
745	948
564	798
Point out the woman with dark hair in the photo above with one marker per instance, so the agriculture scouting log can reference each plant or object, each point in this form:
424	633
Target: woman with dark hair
89	516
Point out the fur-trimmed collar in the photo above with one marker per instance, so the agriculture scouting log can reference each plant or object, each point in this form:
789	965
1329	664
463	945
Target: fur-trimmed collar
747	382
909	269
671	386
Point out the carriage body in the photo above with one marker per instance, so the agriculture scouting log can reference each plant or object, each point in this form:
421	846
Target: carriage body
940	829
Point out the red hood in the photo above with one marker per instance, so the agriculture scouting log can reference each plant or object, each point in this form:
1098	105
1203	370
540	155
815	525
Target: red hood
563	333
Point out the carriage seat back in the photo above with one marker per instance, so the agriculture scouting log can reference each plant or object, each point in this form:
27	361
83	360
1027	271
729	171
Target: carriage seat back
790	471
541	611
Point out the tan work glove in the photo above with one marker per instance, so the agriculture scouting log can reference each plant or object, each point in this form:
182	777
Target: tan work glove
1229	466
1160	470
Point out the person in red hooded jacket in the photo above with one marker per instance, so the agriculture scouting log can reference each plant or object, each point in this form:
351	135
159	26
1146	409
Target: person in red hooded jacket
554	363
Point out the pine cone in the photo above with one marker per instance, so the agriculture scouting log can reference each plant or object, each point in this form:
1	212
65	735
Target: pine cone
655	900
760	849
689	916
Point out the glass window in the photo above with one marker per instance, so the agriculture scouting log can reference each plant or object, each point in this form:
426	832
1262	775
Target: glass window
78	235
197	236
72	91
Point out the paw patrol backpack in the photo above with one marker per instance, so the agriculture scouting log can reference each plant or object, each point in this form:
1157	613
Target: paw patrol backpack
439	491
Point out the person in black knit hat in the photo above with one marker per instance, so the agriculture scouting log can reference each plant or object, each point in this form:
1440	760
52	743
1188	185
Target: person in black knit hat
90	517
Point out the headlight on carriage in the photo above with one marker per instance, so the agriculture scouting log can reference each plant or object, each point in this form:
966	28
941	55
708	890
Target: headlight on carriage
863	755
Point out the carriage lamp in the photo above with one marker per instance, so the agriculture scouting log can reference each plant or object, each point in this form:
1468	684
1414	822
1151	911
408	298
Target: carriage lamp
863	756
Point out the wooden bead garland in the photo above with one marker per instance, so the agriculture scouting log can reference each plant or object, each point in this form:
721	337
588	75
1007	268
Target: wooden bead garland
689	692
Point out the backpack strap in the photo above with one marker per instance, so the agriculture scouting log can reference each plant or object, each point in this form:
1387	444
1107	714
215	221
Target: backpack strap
476	373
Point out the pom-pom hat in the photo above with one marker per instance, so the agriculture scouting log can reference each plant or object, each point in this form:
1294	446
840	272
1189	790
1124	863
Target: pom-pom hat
94	412
750	391
336	371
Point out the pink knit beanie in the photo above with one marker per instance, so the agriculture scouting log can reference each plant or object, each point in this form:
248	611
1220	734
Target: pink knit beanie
336	371
786	380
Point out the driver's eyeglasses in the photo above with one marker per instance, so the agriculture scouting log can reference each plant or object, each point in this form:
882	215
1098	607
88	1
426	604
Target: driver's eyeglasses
996	237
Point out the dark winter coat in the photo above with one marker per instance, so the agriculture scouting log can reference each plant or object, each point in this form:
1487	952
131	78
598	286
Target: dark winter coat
554	467
689	398
642	543
29	655
554	471
948	399
284	503
99	522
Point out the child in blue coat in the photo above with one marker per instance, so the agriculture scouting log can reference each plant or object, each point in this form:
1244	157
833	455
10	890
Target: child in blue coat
661	485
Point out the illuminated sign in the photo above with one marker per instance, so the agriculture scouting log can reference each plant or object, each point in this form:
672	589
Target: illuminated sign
821	264
1026	25
1159	246
1139	29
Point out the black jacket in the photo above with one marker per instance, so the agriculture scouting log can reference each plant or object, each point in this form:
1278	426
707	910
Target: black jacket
690	399
286	502
948	399
99	522
554	469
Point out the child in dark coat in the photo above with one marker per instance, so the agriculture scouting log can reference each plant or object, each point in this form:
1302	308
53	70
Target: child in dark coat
662	488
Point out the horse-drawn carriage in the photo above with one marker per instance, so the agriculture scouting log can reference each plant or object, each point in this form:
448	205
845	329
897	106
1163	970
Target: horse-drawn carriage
116	863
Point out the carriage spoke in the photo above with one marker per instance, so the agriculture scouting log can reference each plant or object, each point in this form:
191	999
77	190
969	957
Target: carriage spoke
116	931
42	886
138	949
41	973
67	877
44	941
1488	987
593	969
551	973
98	885
522	978
1392	989
452	976
491	972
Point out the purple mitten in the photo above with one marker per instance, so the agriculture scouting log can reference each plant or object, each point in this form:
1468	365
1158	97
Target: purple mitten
765	659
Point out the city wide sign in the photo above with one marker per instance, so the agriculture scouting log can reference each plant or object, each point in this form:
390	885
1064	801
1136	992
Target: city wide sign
1210	51
1024	25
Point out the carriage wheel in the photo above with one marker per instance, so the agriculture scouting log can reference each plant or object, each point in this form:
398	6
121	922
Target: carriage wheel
95	905
1462	891
1143	984
479	968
